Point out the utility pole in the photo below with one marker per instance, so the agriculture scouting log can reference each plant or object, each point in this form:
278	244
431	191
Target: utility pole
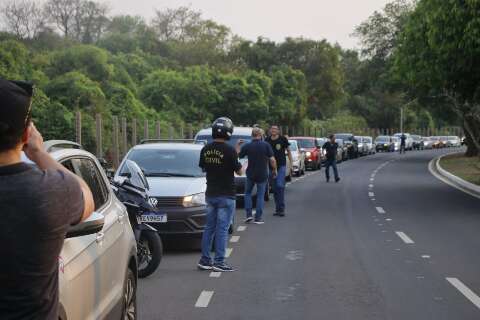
401	120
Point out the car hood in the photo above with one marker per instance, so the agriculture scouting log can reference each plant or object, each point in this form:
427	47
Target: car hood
175	186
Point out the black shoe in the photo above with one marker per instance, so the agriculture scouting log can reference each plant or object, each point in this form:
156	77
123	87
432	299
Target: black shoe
259	221
276	213
337	179
203	265
222	268
328	180
248	220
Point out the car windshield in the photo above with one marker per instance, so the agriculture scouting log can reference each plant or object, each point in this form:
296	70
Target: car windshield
306	143
167	163
233	140
343	136
395	139
321	141
383	139
339	142
293	145
367	140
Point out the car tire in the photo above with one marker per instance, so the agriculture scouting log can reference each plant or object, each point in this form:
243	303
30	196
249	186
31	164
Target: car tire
156	248
129	311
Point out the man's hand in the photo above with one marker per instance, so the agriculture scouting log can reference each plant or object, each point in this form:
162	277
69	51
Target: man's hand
274	173
238	146
34	145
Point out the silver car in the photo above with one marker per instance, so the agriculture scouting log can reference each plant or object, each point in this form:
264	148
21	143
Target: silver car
98	262
370	145
298	157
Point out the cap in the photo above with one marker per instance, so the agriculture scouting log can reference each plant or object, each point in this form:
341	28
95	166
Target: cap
15	103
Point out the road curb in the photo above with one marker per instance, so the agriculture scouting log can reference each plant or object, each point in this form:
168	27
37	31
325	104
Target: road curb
451	179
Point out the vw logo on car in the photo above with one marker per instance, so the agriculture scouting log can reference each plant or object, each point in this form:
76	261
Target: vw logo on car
153	202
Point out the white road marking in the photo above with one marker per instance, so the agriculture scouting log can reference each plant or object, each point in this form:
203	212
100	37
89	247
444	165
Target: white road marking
215	274
241	228
204	299
372	179
234	238
380	225
228	252
469	294
388	219
404	237
370	186
371	194
373	199
425	256
380	210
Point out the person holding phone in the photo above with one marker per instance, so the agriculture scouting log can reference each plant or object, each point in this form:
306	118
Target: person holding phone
37	204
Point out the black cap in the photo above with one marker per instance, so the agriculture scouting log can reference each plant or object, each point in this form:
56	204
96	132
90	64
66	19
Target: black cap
15	103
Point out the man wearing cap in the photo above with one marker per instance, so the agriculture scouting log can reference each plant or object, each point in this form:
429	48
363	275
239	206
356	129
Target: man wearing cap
259	154
37	205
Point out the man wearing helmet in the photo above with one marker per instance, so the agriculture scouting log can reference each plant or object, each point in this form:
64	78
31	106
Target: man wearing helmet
220	161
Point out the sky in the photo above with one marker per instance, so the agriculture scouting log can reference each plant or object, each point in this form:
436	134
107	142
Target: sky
333	20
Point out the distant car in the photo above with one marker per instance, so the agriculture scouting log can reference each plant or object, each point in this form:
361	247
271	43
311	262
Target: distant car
313	156
350	142
342	151
408	140
444	141
396	143
368	141
384	144
298	157
463	142
239	133
320	143
99	255
436	142
427	143
454	141
417	142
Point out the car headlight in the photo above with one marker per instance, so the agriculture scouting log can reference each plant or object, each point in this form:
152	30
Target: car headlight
194	200
308	154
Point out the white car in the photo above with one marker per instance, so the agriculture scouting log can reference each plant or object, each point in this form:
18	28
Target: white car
396	142
371	147
98	261
298	157
454	141
427	143
408	141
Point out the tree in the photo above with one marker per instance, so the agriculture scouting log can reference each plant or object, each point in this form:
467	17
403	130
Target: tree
89	21
438	55
62	13
24	18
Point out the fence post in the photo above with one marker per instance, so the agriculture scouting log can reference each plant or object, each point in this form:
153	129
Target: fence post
78	127
116	155
190	131
145	129
182	133
170	132
124	136
98	128
158	130
134	132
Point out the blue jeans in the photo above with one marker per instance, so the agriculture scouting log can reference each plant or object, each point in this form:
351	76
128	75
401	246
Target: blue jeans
278	186
249	184
331	163
220	211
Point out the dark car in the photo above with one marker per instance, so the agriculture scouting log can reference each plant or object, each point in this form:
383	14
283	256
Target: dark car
313	154
350	142
417	142
384	144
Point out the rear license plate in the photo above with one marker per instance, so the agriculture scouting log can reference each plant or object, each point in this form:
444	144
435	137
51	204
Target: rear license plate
152	218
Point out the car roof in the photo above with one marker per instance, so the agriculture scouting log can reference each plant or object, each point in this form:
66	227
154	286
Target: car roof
237	131
300	138
168	146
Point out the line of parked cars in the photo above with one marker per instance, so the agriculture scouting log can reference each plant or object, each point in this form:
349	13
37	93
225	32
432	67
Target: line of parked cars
386	143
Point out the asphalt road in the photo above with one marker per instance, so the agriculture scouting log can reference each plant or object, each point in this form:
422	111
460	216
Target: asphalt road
389	241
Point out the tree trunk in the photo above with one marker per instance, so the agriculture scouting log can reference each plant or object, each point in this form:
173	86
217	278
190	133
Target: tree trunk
472	136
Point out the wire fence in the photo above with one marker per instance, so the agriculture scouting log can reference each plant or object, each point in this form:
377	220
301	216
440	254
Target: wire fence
110	138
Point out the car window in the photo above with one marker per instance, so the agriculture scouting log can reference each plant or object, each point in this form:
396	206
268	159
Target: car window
293	145
88	171
306	143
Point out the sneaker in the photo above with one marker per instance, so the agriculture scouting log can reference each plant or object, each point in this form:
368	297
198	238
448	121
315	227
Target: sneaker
249	219
259	221
337	179
202	265
281	214
328	180
222	268
276	213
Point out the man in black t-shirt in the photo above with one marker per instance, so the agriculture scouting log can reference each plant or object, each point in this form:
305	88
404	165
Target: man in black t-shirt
280	146
403	139
259	154
220	161
330	148
37	205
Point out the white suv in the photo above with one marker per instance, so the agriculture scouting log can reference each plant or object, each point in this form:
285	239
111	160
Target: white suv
98	266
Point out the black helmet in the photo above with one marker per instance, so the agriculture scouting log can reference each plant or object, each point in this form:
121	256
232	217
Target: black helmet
222	128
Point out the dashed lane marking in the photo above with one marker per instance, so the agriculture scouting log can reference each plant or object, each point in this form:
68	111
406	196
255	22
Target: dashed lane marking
371	194
228	252
388	219
372	179
380	210
204	299
234	238
469	294
425	256
404	237
370	186
215	274
241	228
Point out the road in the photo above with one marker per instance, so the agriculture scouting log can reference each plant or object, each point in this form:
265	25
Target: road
390	241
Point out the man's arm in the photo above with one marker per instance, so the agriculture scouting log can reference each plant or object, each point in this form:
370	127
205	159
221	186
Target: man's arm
289	155
35	151
273	164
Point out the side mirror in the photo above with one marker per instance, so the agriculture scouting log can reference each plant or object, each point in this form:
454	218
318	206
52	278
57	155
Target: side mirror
92	225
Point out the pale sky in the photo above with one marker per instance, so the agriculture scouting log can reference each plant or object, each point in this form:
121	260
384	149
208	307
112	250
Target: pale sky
333	20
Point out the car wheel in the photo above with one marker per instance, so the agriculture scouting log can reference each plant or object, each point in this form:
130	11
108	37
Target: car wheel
150	253
130	297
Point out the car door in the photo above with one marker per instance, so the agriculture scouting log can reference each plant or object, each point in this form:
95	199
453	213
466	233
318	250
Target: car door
91	263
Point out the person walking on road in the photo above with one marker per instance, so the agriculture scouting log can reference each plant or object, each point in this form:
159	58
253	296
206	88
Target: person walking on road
280	146
220	161
330	148
37	204
403	139
259	155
